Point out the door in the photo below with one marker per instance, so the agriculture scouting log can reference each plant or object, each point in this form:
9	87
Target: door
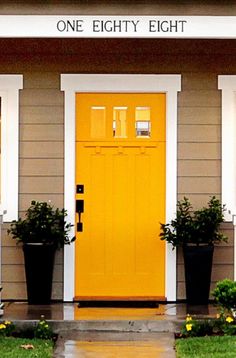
120	181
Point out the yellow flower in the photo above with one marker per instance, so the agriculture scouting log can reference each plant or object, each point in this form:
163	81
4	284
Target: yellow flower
188	318
7	322
189	326
229	319
2	326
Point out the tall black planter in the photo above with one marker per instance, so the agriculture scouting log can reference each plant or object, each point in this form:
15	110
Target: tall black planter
39	262
198	265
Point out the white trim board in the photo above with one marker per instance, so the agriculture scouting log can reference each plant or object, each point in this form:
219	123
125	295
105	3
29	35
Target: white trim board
228	86
169	84
120	26
227	83
9	94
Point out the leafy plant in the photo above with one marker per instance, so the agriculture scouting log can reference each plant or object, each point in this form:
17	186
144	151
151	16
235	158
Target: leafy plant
6	328
221	325
225	294
43	330
229	326
42	224
196	328
195	227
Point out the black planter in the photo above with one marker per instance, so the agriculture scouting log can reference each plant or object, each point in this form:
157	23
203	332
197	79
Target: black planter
198	265
39	262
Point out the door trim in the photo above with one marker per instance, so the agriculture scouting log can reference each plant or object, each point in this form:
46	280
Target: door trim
83	83
227	85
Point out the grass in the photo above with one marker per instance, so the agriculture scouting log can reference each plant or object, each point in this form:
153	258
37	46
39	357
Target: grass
202	347
10	347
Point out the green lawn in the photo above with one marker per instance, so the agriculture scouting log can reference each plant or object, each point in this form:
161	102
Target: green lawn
202	347
10	348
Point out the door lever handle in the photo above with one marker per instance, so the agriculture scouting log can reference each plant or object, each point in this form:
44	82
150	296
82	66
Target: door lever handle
79	206
79	210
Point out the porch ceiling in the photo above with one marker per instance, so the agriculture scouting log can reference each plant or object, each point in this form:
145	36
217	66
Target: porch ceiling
34	47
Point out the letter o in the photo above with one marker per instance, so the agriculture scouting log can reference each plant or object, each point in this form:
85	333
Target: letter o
59	28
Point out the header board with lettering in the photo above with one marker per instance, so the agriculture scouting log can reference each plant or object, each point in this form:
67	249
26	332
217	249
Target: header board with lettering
118	26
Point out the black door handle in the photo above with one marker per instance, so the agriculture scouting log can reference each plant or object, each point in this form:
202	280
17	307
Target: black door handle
79	206
79	210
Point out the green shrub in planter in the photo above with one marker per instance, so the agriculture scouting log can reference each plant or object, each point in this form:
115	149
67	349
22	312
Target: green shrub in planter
225	294
196	232
43	230
42	224
199	227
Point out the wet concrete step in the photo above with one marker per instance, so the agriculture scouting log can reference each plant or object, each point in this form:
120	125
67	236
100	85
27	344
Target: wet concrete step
58	326
110	344
117	325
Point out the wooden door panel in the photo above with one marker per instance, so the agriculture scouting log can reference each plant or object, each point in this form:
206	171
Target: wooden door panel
119	254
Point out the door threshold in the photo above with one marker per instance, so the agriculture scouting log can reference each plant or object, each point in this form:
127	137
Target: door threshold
120	298
119	304
136	302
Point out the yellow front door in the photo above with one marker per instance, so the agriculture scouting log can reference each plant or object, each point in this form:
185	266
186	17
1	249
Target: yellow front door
120	181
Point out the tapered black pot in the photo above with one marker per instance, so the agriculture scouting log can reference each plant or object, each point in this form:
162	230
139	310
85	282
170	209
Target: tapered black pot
39	262
198	266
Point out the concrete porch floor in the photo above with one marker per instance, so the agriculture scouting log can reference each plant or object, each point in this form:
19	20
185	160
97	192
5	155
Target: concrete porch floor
61	311
107	332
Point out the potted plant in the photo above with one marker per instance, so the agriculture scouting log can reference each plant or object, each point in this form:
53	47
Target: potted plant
42	231
196	232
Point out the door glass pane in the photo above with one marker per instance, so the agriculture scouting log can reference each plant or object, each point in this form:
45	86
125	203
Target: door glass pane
143	121
98	122
119	122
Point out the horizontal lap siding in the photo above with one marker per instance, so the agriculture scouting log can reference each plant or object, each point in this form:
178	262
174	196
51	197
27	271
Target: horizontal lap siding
42	127
199	161
199	138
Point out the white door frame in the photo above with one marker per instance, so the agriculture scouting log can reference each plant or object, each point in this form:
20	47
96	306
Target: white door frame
83	83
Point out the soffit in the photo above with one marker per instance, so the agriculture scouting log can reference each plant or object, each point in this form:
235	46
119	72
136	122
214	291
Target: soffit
116	7
101	47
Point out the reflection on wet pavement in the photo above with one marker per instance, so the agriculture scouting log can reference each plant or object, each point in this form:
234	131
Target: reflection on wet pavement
117	345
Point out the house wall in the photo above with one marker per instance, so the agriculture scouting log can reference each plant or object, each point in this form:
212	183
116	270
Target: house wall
41	126
41	112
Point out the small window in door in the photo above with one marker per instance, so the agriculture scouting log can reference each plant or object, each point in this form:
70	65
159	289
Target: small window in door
98	122
119	122
143	122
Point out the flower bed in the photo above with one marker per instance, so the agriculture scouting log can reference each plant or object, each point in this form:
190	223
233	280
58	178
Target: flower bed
224	323
221	325
41	330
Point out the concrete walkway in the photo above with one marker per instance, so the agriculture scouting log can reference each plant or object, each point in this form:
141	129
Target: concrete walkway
109	332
